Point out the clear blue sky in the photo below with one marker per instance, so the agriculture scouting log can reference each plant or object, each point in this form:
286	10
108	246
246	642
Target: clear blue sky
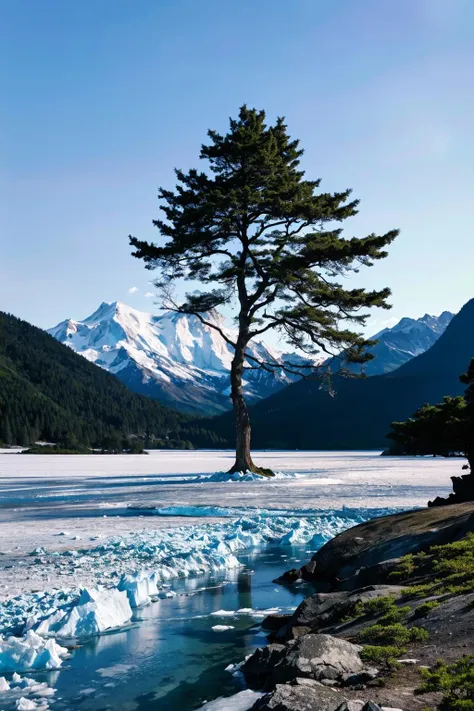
100	99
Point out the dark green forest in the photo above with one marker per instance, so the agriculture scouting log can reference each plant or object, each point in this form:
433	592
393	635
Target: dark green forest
48	392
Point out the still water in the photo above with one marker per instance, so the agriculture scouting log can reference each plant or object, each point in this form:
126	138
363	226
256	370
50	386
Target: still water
170	658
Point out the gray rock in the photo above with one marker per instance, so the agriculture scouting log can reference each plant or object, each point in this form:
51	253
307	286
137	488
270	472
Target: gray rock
361	677
275	621
299	697
317	656
307	571
324	609
257	668
351	706
291	576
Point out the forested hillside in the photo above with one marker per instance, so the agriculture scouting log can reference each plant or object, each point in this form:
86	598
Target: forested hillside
49	392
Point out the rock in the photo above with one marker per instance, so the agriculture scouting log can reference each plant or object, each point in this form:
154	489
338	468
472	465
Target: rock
257	668
374	574
361	677
371	706
351	706
275	621
307	571
317	656
299	697
388	537
324	609
291	576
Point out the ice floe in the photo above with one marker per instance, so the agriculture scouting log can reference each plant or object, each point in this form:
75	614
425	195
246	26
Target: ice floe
30	652
97	611
24	694
222	628
242	701
141	588
247	476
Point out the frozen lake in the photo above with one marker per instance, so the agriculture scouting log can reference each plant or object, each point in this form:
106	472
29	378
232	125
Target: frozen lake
91	496
52	504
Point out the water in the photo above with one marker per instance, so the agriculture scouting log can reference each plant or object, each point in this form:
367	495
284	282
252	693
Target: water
171	658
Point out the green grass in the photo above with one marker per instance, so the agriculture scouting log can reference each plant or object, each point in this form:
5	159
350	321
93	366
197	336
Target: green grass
456	681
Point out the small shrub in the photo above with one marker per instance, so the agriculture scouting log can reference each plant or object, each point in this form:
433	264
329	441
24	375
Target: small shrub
451	566
455	680
425	608
381	655
395	634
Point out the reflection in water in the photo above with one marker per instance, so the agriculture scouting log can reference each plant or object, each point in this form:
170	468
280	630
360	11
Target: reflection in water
170	658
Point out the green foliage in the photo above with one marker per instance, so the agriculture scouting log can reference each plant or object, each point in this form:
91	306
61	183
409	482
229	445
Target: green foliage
48	392
384	608
445	428
404	569
425	608
455	680
55	449
451	567
260	238
376	654
392	634
254	225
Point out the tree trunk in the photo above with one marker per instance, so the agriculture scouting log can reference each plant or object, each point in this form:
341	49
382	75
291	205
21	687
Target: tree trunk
243	458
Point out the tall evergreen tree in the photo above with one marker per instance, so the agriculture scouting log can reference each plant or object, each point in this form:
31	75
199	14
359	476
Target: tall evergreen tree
261	237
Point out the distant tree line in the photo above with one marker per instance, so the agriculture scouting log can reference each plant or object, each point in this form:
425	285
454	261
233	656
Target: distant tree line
50	393
445	429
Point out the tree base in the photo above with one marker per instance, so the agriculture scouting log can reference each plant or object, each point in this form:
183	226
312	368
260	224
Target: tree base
251	467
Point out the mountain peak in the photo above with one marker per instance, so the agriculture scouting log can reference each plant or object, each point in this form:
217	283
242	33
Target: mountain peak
171	356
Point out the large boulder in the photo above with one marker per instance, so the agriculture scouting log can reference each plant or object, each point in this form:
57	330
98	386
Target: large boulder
257	668
321	610
303	695
316	656
382	539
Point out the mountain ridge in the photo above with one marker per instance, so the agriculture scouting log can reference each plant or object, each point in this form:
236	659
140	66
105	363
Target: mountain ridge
176	359
173	357
358	416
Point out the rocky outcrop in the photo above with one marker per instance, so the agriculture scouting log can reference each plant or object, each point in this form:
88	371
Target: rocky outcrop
322	610
301	695
370	550
319	657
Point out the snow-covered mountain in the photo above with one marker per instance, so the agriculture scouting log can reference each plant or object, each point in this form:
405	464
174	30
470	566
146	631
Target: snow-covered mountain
408	338
171	357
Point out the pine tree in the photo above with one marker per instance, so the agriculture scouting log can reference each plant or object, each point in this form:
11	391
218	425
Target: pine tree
261	238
